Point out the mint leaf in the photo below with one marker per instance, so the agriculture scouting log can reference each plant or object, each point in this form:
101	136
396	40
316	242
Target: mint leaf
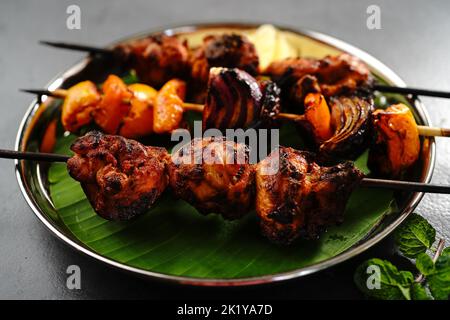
424	264
439	279
380	279
414	236
418	292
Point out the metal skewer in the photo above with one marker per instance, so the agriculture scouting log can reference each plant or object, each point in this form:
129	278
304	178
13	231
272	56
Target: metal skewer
365	182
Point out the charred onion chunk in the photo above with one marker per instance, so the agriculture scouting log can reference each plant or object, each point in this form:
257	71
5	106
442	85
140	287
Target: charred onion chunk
215	176
156	59
226	50
397	143
121	178
298	198
350	123
236	100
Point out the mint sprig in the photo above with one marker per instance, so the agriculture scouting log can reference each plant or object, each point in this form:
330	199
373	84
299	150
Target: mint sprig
380	279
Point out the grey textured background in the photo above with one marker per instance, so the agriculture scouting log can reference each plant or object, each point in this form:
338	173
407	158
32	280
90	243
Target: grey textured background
413	41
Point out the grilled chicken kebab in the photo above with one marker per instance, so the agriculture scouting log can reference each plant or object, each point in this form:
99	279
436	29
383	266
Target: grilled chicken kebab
157	59
294	195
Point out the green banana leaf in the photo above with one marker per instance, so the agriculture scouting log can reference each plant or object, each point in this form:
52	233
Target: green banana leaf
172	238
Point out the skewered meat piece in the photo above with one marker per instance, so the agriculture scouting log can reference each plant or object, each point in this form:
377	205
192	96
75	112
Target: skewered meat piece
397	144
156	59
215	176
237	100
121	178
298	198
305	85
342	74
336	75
225	50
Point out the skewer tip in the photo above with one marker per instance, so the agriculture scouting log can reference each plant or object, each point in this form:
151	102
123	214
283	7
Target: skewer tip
35	91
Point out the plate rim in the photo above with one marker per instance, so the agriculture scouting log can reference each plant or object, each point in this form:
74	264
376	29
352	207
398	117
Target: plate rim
256	280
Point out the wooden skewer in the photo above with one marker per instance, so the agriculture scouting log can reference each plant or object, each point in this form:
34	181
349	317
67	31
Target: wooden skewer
433	131
378	87
366	182
423	130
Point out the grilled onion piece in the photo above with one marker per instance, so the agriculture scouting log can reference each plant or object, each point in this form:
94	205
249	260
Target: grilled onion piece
350	123
236	100
121	178
397	143
215	176
298	198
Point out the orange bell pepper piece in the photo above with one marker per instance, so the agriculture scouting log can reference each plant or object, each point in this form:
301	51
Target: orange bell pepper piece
78	105
398	137
168	108
114	105
139	121
317	114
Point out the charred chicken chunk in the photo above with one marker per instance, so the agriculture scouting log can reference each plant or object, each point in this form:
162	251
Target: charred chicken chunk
215	176
397	144
296	197
341	74
156	59
121	178
226	50
237	100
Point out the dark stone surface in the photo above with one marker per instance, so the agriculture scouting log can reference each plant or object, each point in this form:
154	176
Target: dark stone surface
413	41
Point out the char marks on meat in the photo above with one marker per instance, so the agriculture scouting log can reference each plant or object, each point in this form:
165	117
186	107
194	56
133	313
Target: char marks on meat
225	50
121	178
215	176
296	197
156	59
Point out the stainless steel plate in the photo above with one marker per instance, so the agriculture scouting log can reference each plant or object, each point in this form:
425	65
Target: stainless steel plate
33	182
